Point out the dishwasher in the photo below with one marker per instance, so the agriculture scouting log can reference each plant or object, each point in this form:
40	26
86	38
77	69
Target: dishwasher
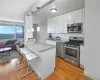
60	49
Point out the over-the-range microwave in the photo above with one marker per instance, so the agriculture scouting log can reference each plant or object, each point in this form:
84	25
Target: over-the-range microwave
75	28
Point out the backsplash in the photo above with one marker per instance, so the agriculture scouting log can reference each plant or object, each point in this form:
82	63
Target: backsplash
66	36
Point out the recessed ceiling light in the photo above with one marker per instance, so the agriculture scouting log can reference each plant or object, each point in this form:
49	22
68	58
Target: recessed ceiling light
53	10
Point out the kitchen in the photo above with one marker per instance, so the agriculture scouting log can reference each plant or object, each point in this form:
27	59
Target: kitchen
60	40
62	26
76	19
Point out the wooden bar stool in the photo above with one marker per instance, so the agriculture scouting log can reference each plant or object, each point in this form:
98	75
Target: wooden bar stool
29	57
22	60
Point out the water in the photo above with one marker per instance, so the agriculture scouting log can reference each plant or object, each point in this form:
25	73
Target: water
10	36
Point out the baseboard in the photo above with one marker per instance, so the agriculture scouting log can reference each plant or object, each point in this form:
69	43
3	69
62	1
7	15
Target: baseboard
92	77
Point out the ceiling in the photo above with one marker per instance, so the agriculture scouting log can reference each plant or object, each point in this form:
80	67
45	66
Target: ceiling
13	10
63	6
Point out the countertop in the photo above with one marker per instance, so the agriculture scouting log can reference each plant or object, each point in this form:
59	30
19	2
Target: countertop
37	48
57	40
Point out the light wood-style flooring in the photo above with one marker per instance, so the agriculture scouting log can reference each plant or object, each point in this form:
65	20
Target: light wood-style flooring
63	71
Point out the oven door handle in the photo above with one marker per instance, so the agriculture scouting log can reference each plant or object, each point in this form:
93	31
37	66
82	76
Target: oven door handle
71	47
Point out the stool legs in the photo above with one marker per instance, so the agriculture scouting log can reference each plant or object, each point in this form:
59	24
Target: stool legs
22	63
27	72
20	59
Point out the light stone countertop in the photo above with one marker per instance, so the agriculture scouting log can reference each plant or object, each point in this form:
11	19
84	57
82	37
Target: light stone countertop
57	40
37	48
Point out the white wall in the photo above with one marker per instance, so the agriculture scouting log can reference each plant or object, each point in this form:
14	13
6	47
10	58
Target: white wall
92	38
42	23
41	36
28	24
43	30
11	23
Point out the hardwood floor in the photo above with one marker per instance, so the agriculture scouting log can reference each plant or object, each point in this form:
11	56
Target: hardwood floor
63	71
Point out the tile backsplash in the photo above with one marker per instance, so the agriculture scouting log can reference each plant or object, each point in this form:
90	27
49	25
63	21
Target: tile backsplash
66	36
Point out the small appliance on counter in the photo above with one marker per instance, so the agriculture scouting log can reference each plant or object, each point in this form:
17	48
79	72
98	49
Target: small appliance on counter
75	28
58	38
50	36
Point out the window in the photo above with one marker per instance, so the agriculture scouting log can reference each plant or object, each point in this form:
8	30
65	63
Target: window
7	32
11	32
19	32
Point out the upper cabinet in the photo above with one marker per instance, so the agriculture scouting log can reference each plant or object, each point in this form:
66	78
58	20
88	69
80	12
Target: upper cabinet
59	24
75	17
62	24
52	25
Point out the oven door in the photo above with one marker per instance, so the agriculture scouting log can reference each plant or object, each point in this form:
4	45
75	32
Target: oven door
72	54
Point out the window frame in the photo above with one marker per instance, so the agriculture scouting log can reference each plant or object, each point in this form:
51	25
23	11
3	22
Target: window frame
14	25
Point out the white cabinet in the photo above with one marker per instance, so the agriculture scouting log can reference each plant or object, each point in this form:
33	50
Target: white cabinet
62	24
51	25
57	24
75	16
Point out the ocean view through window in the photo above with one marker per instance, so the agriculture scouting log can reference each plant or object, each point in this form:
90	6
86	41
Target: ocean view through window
11	32
19	32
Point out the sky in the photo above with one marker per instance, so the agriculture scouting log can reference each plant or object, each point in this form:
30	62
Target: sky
10	29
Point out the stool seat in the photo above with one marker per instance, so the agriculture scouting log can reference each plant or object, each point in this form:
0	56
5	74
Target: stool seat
30	56
24	51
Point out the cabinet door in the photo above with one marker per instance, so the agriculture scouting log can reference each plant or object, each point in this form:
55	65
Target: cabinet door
75	16
65	23
51	25
62	24
57	24
78	16
70	18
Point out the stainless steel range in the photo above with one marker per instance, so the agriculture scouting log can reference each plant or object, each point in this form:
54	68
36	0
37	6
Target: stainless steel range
72	50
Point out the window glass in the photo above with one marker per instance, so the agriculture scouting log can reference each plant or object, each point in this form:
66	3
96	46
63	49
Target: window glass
19	31
7	32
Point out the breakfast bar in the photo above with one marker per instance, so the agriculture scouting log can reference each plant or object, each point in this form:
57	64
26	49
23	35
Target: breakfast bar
44	64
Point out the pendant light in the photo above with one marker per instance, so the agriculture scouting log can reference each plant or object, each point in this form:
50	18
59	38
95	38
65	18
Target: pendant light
32	29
